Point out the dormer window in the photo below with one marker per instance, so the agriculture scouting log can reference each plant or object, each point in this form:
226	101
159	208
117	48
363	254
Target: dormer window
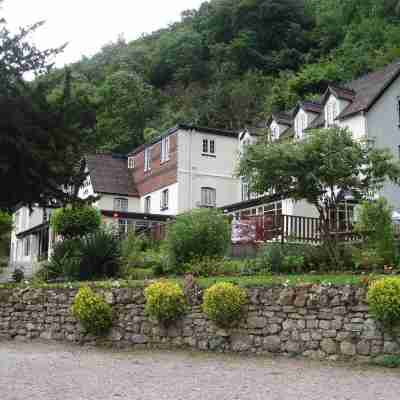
274	132
331	112
300	124
131	162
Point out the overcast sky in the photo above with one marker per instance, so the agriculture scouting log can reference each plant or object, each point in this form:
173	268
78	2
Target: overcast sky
89	24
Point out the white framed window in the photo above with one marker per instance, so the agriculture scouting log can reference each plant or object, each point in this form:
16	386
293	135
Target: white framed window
164	200
331	113
209	147
398	110
274	133
208	197
165	149
17	221
147	205
147	159
300	124
121	204
27	246
245	191
131	162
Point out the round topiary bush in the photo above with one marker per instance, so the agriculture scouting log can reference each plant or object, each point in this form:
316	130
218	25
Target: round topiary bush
165	301
224	303
72	222
384	301
92	312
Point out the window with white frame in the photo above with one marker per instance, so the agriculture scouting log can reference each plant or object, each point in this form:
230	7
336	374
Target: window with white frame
208	197
147	205
131	162
147	159
27	246
165	149
121	204
208	147
17	221
274	132
245	190
164	200
331	112
300	124
398	110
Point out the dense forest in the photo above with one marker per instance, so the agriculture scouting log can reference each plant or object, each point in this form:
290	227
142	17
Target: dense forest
228	64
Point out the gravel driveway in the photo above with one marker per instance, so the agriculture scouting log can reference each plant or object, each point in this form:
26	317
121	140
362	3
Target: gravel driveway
38	371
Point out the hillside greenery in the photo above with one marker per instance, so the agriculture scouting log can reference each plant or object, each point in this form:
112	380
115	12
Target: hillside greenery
230	63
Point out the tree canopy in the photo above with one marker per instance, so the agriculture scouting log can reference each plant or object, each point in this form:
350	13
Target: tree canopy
320	169
41	141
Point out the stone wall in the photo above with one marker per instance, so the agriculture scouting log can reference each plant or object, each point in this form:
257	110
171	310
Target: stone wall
314	321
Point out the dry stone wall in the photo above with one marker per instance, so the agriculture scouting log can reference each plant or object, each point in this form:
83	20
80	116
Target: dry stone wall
314	321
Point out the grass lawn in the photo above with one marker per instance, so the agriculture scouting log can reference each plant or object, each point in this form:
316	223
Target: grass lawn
244	281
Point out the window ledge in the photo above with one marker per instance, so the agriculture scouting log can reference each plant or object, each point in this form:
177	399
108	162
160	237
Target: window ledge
208	155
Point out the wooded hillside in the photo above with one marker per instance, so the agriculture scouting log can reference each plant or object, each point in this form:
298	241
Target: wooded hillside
230	63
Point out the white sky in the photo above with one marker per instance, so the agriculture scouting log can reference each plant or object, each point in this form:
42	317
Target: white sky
89	24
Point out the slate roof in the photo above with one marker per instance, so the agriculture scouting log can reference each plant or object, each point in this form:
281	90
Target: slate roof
318	122
283	118
309	106
369	88
109	174
362	93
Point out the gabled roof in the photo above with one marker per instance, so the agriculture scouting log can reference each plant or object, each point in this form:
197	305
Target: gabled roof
318	122
340	92
186	127
369	88
287	134
361	93
308	106
109	174
281	118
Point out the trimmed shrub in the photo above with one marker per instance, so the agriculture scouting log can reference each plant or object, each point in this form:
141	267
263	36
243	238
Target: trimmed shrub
384	301
74	222
92	312
224	303
165	301
200	233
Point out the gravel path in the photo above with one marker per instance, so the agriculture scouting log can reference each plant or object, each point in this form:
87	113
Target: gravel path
38	371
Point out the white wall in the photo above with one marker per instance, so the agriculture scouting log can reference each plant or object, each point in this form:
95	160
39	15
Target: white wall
357	126
383	126
173	194
196	171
